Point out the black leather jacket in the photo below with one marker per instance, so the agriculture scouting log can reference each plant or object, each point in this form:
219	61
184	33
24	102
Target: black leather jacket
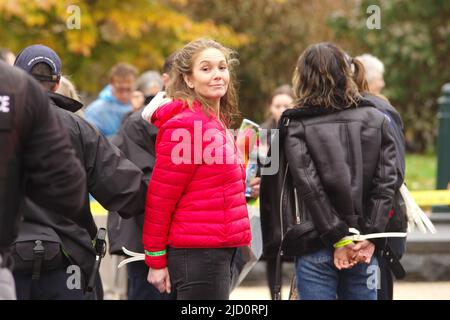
336	171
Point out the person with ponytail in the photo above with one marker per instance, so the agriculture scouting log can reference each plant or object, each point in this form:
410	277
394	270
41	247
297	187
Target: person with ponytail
337	177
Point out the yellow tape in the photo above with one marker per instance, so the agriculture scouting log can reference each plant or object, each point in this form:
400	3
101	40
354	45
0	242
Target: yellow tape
97	209
423	198
431	197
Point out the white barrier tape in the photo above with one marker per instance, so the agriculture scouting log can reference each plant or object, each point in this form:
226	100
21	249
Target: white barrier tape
415	215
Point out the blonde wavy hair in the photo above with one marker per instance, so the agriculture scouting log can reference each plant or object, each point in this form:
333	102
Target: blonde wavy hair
67	88
183	65
323	77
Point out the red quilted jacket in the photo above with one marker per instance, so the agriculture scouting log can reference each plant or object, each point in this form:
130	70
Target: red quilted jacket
195	198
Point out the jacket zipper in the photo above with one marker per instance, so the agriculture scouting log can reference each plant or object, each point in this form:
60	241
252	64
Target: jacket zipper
281	202
297	211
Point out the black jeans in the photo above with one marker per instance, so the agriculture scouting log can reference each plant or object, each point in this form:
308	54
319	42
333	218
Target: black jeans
201	273
386	290
138	286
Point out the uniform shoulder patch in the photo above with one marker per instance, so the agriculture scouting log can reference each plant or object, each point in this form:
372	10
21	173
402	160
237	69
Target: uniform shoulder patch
6	103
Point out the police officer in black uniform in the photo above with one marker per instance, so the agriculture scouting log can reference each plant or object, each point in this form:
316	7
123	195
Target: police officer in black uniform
116	183
36	160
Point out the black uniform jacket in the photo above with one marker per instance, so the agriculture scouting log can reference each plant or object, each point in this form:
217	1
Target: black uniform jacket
115	182
136	138
36	158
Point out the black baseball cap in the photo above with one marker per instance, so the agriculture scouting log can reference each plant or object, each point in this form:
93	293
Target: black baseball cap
39	53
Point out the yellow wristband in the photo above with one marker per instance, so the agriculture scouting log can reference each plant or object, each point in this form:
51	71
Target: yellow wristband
342	243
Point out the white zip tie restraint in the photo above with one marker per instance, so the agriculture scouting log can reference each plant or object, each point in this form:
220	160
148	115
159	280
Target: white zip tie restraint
134	256
357	236
415	217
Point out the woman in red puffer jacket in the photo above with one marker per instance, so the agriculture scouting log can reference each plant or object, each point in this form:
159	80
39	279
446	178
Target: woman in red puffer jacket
196	214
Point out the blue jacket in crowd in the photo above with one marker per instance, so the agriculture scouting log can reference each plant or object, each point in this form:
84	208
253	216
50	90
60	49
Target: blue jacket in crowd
106	112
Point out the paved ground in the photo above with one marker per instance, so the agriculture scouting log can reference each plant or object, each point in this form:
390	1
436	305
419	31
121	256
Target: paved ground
402	291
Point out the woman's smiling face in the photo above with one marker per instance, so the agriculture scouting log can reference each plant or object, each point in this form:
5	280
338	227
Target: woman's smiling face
210	75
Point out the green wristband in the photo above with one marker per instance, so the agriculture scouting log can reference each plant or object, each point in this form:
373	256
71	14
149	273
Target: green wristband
342	243
156	254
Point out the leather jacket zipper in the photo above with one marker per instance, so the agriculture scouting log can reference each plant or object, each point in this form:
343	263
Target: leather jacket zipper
281	202
297	211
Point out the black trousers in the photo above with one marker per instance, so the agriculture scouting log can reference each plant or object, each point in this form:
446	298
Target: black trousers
138	286
386	290
53	285
271	266
201	274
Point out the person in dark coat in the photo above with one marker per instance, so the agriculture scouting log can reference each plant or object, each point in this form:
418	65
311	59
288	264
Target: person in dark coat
371	83
37	161
136	139
115	182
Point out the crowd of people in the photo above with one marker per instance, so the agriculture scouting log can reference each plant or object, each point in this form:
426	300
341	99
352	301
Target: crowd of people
156	151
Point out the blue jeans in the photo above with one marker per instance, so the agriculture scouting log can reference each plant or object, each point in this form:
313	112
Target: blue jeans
319	279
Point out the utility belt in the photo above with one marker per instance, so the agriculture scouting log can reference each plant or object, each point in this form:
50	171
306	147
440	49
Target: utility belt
34	257
37	249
